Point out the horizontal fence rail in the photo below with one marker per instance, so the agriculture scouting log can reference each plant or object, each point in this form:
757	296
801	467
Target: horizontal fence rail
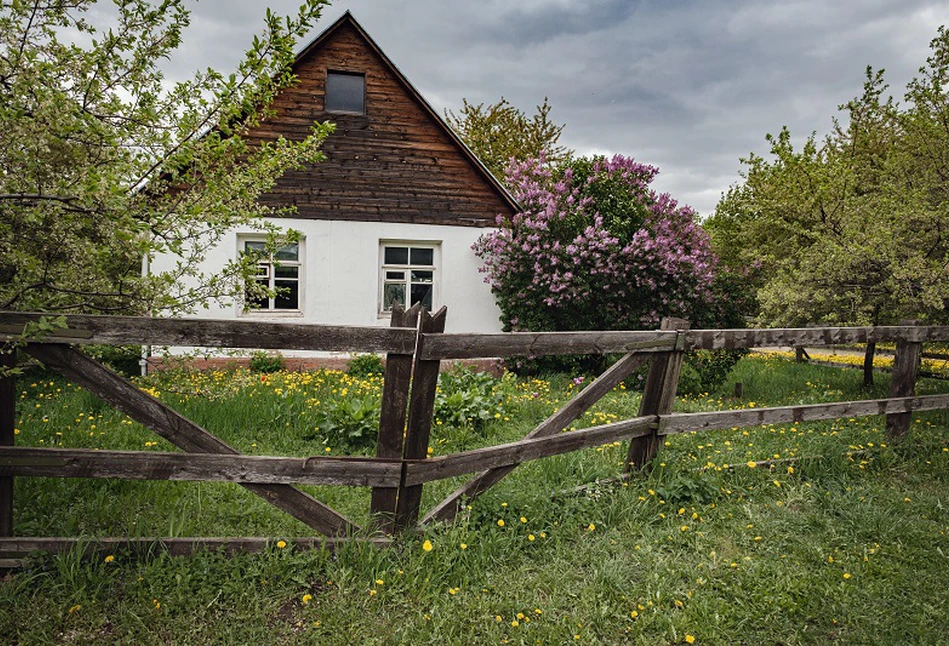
13	549
214	333
687	422
536	344
760	338
154	465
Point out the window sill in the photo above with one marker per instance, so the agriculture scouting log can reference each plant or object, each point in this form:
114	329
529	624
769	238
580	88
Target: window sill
279	314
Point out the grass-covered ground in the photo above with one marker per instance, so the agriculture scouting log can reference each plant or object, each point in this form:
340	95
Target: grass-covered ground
833	547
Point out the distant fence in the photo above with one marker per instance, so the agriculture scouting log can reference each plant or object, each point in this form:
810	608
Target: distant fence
414	345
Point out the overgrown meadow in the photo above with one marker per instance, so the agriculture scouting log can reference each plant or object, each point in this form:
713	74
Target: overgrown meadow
842	538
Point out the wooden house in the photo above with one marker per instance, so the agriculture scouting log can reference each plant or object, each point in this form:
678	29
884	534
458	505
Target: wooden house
392	212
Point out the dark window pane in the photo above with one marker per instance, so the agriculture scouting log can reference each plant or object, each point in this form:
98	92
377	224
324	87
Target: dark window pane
253	247
391	293
397	256
290	252
421	276
395	275
422	294
286	272
345	92
423	256
288	295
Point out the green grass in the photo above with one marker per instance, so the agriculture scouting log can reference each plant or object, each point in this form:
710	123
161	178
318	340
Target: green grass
724	554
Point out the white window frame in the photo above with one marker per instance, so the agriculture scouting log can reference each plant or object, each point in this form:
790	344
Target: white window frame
268	267
407	269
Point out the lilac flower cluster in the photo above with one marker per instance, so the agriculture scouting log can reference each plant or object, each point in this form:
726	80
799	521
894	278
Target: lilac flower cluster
570	260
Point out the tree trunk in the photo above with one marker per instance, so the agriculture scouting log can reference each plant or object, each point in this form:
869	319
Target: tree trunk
868	365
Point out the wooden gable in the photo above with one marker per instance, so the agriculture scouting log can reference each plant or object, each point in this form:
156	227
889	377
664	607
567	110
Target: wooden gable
398	162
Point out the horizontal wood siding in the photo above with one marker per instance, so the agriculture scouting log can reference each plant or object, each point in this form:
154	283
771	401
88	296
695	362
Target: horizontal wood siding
393	164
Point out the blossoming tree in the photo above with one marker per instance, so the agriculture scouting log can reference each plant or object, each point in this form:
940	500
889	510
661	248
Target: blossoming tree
595	248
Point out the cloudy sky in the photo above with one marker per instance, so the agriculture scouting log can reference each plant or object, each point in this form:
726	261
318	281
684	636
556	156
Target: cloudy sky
686	85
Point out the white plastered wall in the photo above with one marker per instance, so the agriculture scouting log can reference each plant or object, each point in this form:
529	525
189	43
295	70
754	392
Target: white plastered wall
341	274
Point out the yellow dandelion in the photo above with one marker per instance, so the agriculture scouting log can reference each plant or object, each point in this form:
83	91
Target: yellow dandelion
306	599
464	546
751	464
380	582
281	544
689	639
515	623
684	528
846	575
591	527
530	537
523	520
500	522
109	558
427	546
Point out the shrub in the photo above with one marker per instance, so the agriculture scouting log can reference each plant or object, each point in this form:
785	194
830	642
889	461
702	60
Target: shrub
348	422
467	397
266	362
364	365
705	370
124	359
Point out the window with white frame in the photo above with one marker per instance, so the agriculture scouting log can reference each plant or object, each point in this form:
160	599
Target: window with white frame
408	274
280	272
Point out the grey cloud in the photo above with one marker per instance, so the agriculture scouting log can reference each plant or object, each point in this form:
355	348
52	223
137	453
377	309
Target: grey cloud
686	85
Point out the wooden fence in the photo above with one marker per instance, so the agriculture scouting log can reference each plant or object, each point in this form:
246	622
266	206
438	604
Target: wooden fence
414	345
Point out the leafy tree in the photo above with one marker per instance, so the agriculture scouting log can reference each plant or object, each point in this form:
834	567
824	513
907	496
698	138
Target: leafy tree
104	163
500	132
851	230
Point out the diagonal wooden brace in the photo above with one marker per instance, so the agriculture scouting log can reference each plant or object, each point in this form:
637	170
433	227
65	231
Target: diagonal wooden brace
180	431
572	410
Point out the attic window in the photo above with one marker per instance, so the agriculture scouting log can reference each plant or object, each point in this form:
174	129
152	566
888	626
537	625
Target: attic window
346	92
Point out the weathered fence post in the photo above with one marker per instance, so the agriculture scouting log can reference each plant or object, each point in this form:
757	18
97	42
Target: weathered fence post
395	399
7	424
658	394
905	372
421	409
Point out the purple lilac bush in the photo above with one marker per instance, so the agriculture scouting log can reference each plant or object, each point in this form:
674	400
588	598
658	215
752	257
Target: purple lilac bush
595	248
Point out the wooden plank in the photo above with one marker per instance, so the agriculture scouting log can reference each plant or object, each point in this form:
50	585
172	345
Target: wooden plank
572	410
154	465
515	453
536	344
810	337
117	330
180	431
906	365
421	411
658	396
20	547
395	398
7	436
686	422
